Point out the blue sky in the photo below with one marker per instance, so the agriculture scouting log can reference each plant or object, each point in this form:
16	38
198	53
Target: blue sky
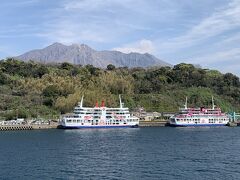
205	32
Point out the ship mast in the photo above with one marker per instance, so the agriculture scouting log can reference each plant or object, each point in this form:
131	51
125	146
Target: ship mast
213	105
120	101
185	105
81	103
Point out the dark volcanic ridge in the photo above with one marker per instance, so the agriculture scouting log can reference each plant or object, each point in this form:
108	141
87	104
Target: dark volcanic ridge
83	54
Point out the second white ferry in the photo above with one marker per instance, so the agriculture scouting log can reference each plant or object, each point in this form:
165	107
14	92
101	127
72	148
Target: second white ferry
99	117
199	117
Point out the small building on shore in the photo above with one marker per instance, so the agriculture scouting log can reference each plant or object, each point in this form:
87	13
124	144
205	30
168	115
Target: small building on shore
151	116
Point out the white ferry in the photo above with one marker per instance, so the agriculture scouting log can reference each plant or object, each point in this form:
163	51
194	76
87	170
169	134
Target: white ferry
199	116
99	117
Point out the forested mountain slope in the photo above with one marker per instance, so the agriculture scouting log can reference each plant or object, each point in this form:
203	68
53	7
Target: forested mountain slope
30	89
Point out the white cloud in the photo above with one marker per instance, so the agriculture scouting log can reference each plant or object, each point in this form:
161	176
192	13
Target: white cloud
221	21
226	60
5	51
172	30
212	42
219	57
86	21
104	21
233	68
142	46
90	5
20	3
67	31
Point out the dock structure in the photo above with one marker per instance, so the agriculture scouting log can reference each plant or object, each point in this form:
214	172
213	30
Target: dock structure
27	127
234	116
234	119
15	127
159	123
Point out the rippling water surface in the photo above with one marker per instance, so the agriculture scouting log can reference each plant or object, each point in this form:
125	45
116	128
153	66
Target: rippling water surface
142	153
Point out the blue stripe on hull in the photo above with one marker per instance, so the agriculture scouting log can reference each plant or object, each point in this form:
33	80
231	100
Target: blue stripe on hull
192	125
83	127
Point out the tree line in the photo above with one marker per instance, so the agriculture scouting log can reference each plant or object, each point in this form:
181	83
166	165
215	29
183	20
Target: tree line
31	89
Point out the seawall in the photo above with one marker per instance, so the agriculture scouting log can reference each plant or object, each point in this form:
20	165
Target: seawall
26	127
159	123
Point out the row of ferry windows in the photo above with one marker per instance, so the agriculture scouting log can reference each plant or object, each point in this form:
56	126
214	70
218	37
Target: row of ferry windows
98	116
100	113
85	121
198	120
195	120
91	112
124	109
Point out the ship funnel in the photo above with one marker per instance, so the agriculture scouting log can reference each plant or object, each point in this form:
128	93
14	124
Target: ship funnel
103	104
96	105
81	103
213	105
185	105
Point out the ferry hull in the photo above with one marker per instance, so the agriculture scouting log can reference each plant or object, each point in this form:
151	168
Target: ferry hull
95	127
197	125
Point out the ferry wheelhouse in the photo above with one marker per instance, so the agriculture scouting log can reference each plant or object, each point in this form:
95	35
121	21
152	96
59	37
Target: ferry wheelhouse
99	117
199	116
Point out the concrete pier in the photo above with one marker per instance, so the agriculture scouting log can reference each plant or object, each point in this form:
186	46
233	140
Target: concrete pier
160	123
27	127
15	127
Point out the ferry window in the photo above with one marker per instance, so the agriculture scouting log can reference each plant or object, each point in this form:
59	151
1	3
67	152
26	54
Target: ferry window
69	120
78	121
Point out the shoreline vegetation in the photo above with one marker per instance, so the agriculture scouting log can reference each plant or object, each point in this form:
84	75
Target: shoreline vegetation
33	90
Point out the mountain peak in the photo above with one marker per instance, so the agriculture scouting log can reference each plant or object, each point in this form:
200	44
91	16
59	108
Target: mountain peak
82	47
56	44
83	54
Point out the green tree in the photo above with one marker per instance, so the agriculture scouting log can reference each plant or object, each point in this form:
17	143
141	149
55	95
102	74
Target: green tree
51	91
110	67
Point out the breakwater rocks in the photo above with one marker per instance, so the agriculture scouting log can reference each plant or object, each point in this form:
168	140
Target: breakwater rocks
232	124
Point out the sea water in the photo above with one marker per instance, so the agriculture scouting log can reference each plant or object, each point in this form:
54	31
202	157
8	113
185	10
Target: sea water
137	153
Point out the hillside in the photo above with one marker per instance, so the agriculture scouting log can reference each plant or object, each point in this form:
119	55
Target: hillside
83	54
30	89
